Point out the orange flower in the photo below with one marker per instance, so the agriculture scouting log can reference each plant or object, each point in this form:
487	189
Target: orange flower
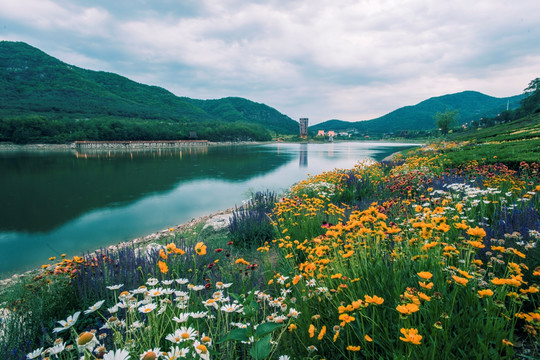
426	275
506	342
321	334
487	292
200	248
163	267
353	348
426	286
477	231
373	300
460	280
407	309
410	335
311	330
368	338
162	254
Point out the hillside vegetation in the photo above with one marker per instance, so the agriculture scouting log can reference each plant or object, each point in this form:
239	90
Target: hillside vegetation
471	106
43	99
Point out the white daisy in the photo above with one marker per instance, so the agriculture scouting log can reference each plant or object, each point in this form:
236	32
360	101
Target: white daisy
117	355
115	287
147	308
94	307
183	317
66	324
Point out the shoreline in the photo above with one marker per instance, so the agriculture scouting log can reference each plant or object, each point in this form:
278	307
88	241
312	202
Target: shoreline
138	241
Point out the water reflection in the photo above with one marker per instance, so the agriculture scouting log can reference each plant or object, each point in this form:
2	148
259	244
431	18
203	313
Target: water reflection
71	202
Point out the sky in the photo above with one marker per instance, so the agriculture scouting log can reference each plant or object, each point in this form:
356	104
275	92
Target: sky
321	59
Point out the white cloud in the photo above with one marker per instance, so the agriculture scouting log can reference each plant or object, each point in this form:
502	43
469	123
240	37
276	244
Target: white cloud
323	59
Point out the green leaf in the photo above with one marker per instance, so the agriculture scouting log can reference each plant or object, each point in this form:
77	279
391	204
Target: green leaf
236	335
267	328
261	349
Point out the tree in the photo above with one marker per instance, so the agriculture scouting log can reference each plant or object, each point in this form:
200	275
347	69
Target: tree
446	120
531	103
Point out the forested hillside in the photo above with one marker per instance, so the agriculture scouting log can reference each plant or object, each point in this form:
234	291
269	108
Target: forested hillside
43	99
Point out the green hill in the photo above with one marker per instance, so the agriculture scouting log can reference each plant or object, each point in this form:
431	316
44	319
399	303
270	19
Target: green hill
471	105
42	90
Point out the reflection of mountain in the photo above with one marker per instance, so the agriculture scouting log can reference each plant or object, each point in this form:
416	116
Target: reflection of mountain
42	192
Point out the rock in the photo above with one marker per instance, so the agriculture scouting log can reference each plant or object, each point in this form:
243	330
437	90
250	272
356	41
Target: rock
218	222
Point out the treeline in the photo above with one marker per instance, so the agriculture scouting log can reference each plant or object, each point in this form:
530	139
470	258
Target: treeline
39	129
529	105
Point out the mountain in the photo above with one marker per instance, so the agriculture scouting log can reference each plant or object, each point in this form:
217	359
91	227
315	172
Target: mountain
471	105
34	83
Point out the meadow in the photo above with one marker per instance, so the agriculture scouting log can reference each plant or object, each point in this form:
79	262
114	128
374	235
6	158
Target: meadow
419	257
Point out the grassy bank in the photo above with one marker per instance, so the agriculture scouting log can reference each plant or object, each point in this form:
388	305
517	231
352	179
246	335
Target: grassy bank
420	257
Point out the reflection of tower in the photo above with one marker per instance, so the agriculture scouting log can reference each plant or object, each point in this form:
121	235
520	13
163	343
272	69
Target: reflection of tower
303	155
303	127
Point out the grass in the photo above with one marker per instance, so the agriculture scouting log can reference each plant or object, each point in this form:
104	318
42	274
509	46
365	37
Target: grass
432	255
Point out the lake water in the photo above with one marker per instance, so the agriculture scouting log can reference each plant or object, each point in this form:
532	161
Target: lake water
73	202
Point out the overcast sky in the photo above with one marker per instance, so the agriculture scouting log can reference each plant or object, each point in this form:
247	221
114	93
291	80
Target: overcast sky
322	59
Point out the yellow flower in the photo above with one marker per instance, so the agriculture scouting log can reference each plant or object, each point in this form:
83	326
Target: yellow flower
410	335
353	348
336	276
348	254
200	248
426	275
336	336
163	267
368	338
321	334
292	327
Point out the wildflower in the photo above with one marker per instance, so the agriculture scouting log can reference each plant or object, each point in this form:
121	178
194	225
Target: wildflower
410	335
506	342
152	282
368	338
163	267
117	355
145	309
477	231
220	285
311	348
426	275
294	313
353	348
162	254
284	357
201	350
94	307
152	354
200	248
460	280
311	283
232	308
486	292
321	333
87	340
181	281
311	330
426	286
183	317
373	300
335	336
115	287
34	354
66	324
407	309
292	327
438	325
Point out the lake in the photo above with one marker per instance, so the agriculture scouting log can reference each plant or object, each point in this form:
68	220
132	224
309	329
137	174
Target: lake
78	201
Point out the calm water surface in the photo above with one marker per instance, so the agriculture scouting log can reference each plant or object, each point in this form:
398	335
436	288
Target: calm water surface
73	202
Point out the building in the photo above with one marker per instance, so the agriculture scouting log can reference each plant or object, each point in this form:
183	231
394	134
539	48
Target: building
320	133
303	127
331	133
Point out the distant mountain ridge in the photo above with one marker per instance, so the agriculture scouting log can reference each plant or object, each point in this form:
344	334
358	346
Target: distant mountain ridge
32	82
471	105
